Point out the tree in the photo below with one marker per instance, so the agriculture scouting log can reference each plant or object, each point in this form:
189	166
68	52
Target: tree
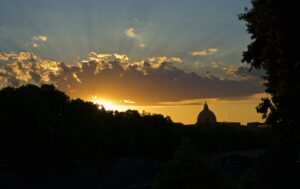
190	169
275	36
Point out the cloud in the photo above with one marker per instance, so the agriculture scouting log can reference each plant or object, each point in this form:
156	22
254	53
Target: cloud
37	41
6	56
114	76
92	56
128	102
157	61
22	56
131	33
231	71
142	45
244	73
206	52
40	38
183	103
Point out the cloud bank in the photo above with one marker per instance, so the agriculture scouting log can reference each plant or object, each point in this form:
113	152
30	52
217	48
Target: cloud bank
113	76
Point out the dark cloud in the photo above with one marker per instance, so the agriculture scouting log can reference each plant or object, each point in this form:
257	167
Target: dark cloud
245	71
115	77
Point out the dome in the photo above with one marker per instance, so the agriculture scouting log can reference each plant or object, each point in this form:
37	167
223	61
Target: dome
206	117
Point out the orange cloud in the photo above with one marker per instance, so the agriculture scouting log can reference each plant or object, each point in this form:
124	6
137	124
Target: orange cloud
6	56
22	56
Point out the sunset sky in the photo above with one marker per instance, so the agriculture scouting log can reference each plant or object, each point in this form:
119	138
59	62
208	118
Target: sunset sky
161	56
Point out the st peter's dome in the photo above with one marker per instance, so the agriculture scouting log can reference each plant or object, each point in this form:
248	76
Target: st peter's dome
206	117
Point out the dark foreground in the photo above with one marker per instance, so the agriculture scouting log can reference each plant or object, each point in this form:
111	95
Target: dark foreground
48	140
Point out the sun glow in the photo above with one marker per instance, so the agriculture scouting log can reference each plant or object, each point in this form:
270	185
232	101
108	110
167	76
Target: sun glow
109	104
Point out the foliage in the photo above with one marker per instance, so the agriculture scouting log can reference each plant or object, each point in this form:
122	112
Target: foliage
272	170
275	36
190	169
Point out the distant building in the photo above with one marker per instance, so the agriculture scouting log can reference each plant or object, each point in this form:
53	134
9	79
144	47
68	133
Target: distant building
206	117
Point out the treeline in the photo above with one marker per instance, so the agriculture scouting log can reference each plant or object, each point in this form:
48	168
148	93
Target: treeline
43	126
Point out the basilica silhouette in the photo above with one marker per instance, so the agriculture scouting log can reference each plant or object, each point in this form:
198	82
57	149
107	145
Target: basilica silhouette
206	117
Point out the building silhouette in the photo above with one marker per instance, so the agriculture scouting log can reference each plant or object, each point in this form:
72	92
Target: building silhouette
206	117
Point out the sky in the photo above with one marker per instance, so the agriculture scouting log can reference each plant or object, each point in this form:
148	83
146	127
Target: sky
160	56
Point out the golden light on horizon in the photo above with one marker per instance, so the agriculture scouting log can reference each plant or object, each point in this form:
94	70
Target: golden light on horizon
109	104
230	110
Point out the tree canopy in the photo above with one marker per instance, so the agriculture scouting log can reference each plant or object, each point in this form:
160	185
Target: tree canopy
274	48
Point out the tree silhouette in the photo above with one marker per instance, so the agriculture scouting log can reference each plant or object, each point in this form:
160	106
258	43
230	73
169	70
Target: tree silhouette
190	169
275	38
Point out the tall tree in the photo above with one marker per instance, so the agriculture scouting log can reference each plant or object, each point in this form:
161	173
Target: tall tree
274	48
